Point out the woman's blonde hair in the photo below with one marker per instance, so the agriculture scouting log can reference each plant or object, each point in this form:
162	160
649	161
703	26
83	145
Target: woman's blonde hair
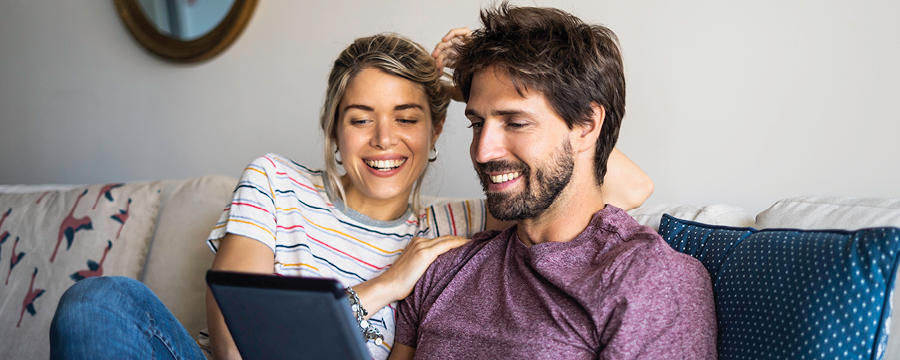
395	55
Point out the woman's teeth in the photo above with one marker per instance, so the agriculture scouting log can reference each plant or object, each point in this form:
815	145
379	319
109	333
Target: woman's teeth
385	165
497	179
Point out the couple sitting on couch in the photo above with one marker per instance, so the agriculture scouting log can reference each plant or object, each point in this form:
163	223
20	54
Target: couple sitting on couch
573	277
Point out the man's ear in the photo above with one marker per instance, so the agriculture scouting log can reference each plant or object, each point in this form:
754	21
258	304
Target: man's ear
589	132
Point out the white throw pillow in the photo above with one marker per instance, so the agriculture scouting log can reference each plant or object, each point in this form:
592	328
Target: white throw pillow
51	239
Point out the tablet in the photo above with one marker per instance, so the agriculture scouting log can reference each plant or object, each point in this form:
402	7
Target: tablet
273	317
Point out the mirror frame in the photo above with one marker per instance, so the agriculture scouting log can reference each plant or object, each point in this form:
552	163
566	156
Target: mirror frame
170	48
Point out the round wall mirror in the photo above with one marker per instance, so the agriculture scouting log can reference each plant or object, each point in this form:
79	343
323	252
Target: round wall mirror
185	30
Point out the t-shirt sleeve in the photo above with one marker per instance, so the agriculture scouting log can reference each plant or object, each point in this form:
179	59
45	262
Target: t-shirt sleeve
666	311
410	313
457	217
252	209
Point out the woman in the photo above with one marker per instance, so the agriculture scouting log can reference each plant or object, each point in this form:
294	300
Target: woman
384	110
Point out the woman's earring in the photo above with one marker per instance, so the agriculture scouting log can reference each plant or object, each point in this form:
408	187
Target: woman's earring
336	159
435	155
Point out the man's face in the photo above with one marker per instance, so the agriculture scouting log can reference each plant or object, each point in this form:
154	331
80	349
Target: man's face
521	148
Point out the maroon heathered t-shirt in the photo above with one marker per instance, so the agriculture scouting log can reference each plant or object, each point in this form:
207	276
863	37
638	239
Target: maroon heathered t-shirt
616	291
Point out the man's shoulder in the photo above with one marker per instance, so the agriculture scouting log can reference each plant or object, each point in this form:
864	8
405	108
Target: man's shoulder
480	244
644	253
650	260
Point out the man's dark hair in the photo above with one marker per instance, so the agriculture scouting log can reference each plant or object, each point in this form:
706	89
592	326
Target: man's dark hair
571	63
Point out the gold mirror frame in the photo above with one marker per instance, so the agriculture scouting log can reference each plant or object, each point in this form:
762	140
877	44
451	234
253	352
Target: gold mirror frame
202	48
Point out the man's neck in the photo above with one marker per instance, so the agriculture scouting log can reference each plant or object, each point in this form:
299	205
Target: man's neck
569	215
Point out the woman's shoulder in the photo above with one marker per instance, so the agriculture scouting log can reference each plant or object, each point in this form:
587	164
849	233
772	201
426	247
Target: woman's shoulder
274	164
281	171
445	202
448	216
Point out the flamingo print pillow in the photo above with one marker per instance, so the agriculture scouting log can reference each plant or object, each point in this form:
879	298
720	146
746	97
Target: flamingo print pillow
51	240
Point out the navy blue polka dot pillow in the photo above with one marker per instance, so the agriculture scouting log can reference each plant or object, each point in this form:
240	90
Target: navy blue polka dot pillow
795	294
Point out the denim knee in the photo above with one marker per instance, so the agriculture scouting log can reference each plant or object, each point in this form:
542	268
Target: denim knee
97	290
97	295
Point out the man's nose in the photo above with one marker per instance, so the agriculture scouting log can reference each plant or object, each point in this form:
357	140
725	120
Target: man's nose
488	145
384	137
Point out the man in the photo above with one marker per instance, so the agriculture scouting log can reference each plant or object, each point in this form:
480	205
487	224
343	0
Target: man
574	278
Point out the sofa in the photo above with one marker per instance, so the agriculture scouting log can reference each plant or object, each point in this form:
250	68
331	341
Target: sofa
51	236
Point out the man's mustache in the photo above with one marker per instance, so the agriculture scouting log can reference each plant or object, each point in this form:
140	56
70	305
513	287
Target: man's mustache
501	166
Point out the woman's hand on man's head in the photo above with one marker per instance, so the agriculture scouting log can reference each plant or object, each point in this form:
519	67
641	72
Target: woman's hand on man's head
445	54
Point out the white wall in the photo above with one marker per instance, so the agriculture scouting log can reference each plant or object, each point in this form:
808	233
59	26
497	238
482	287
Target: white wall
740	102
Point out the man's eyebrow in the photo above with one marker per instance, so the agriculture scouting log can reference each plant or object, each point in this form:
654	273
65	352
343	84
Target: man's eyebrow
408	106
470	112
509	112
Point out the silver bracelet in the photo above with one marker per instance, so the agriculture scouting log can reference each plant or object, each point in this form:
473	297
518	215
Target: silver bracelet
369	331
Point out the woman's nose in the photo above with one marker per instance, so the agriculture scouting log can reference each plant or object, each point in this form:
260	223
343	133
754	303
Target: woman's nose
384	137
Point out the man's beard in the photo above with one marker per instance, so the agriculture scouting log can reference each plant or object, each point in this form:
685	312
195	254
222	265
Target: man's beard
539	191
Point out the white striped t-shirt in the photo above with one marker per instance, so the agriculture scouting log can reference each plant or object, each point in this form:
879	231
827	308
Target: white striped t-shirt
285	206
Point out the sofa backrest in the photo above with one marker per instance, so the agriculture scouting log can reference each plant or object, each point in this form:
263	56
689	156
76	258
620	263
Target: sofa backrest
830	212
179	257
713	214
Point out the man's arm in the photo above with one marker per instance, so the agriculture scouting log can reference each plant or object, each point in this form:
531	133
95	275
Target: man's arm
402	352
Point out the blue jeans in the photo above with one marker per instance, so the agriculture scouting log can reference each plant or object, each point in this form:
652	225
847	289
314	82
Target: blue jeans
117	318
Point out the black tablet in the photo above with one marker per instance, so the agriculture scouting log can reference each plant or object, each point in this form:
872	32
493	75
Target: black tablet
273	317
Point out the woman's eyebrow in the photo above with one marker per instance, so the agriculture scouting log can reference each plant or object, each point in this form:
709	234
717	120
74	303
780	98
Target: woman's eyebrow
396	108
358	106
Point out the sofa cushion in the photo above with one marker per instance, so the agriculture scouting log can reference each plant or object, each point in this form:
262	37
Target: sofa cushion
830	212
179	257
715	214
793	294
51	239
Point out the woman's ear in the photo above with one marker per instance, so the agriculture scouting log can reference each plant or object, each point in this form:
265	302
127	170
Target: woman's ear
590	130
438	128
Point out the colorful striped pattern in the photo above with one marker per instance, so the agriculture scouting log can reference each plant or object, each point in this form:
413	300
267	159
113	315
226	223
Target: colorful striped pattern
285	206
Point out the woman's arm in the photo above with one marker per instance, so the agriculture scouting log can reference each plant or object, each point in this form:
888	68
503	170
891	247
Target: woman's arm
236	253
243	254
397	282
625	185
402	352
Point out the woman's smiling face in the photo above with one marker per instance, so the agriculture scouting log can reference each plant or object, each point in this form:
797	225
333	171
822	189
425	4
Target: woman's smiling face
384	135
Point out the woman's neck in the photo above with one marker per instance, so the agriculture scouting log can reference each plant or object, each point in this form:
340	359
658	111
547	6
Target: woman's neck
378	209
